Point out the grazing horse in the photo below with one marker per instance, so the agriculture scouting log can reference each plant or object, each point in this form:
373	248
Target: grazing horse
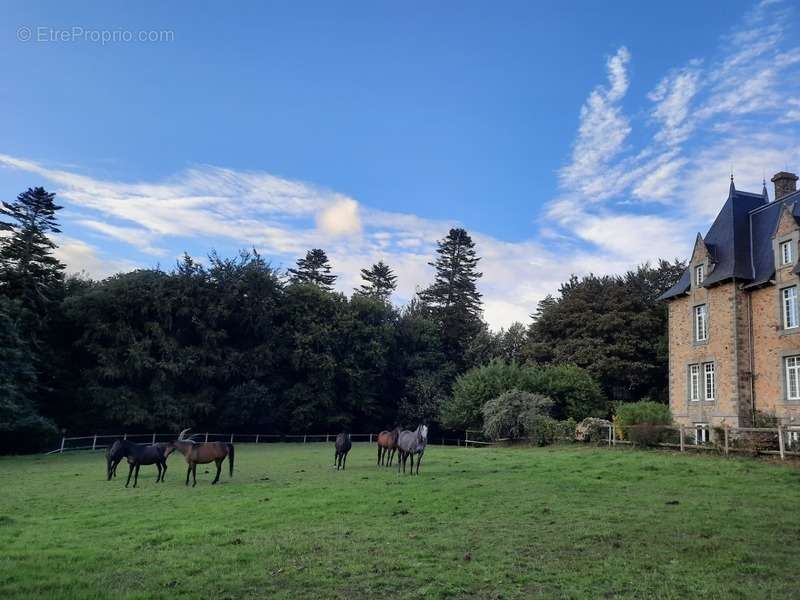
387	446
197	453
139	455
343	445
114	456
410	443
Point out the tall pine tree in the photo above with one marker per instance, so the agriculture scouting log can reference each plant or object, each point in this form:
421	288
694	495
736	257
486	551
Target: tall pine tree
314	269
28	270
453	298
379	282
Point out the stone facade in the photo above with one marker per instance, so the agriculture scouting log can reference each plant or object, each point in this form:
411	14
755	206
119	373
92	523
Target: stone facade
747	343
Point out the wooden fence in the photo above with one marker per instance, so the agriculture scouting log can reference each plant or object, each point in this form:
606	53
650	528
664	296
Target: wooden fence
99	442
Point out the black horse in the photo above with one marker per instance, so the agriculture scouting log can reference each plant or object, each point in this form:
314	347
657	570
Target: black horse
343	445
114	456
139	455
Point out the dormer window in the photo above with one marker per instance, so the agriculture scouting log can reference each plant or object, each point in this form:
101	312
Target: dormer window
786	253
699	275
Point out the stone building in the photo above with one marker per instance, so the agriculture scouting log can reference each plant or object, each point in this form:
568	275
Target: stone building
734	320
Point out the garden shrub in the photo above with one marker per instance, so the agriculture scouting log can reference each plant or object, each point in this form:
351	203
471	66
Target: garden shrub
643	423
592	429
515	414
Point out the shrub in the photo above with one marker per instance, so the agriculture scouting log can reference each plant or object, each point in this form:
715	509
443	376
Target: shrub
592	429
643	422
515	414
573	392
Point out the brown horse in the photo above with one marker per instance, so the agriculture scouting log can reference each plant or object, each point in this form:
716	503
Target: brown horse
201	454
387	446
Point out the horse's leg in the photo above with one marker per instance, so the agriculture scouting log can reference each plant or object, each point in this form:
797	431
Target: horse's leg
344	461
411	455
188	472
164	472
130	472
219	469
158	477
136	475
391	456
419	460
194	474
380	456
399	460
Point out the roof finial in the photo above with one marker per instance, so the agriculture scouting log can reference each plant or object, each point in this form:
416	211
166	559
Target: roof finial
733	187
764	187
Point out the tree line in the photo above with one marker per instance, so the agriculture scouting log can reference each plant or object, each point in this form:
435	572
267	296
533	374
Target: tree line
234	343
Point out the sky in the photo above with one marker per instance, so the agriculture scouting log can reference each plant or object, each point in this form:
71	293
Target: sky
566	137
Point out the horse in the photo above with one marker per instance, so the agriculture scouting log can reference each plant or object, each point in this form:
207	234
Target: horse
410	443
114	456
200	454
387	446
343	445
139	455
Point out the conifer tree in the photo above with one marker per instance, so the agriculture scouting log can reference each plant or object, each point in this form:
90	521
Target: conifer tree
453	298
28	270
379	282
314	269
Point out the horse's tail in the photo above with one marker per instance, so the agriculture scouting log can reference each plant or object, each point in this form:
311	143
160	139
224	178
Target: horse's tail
230	458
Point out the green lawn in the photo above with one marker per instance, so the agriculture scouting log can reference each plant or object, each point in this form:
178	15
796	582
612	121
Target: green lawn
568	522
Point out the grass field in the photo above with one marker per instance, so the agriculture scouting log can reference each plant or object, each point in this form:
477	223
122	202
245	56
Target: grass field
567	522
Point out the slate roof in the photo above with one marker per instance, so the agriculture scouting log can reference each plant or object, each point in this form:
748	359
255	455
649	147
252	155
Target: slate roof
740	240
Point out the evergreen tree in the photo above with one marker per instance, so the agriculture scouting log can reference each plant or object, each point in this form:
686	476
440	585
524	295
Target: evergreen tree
453	298
28	270
314	269
380	282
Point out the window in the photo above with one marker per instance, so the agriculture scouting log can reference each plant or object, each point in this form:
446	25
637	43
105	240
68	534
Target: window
699	275
710	387
789	296
694	383
786	253
793	377
701	433
700	323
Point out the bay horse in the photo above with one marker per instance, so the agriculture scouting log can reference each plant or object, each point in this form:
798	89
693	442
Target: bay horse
343	445
139	455
387	446
114	456
201	453
410	443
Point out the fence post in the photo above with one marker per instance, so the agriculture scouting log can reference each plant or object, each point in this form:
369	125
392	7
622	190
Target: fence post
124	436
370	438
304	438
94	442
154	439
231	438
610	427
326	438
780	441
63	439
613	436
726	440
683	438
257	438
206	436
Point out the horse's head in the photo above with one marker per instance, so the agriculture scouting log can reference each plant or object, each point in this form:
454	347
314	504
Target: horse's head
423	432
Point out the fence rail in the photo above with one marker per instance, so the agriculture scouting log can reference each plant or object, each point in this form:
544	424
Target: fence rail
101	441
780	441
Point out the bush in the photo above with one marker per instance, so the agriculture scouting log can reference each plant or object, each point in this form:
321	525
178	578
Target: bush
573	392
643	423
592	429
515	414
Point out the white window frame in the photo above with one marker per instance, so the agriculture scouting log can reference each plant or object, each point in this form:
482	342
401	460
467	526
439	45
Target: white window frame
789	306
699	275
792	367
694	383
700	323
786	253
709	382
702	433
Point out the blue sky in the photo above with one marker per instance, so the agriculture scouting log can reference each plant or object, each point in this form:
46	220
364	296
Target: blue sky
567	137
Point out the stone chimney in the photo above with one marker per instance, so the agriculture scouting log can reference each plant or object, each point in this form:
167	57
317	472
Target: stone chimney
785	184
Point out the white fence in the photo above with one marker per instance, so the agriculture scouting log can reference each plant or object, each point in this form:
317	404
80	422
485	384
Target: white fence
97	442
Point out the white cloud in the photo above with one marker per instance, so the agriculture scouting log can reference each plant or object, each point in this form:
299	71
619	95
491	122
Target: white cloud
340	218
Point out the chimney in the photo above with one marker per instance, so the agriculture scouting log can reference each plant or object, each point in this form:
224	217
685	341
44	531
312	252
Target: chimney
785	184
